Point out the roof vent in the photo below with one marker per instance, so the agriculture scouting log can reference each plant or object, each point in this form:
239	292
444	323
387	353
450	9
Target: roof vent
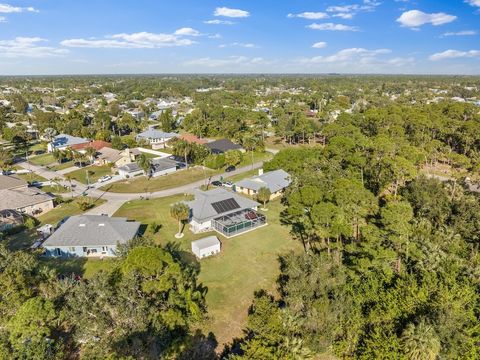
101	224
81	225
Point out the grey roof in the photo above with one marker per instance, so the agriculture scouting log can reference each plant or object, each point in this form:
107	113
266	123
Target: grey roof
11	182
163	164
156	134
202	209
222	145
205	243
22	197
132	167
93	230
67	140
273	180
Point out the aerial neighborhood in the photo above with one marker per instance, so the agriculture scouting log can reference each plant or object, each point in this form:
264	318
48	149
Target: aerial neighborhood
205	194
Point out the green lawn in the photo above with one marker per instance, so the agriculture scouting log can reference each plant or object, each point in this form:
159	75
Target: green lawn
95	173
30	177
247	262
142	184
62	166
79	266
242	176
42	160
65	209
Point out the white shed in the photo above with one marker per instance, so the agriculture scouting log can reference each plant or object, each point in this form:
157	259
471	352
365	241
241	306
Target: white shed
206	247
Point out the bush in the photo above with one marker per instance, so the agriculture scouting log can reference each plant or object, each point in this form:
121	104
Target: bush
30	223
84	204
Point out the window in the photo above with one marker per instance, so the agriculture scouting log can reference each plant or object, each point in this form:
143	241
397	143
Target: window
104	249
58	251
84	249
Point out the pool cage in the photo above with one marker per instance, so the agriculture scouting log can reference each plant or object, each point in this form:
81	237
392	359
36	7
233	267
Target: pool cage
238	222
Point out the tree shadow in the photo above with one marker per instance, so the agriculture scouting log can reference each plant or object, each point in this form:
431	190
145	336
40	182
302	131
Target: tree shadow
200	347
66	267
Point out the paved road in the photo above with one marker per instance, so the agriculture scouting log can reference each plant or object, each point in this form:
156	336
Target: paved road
116	200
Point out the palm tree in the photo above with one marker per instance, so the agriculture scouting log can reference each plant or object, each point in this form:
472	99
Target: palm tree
90	152
56	180
145	164
181	213
263	195
420	342
69	178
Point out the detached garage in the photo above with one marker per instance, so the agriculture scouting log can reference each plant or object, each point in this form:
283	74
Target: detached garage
206	247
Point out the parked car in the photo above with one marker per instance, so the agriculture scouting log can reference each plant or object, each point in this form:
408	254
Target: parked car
217	183
230	168
228	184
104	178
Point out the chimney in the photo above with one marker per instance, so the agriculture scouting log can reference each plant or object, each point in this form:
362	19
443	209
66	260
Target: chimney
260	172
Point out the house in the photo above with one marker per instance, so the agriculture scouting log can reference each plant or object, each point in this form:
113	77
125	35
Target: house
206	247
223	211
193	139
155	137
276	181
223	145
107	155
16	195
130	170
63	141
163	166
97	145
10	219
90	236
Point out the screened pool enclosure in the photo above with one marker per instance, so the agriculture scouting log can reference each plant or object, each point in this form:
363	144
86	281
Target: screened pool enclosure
238	222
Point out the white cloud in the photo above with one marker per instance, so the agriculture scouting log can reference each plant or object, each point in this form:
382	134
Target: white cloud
218	22
8	9
319	45
186	31
215	36
238	44
28	47
461	33
309	15
332	27
232	13
349	11
416	18
473	2
134	41
346	55
3	19
455	54
225	62
400	62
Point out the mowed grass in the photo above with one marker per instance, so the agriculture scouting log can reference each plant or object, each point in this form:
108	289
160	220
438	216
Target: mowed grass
62	166
66	209
42	160
84	267
247	263
94	173
142	185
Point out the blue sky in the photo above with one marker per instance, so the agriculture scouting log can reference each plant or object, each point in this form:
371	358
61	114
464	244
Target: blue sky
244	36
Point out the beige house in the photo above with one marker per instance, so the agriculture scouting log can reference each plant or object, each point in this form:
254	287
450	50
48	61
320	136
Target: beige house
276	181
15	194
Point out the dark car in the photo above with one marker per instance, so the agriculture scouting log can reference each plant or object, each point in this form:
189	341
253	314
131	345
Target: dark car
217	183
230	168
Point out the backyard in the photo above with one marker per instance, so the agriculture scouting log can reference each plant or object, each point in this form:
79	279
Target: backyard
247	262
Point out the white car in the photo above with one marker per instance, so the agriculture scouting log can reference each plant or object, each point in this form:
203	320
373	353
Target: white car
104	178
228	184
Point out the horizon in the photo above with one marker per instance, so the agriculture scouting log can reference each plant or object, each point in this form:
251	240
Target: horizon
368	37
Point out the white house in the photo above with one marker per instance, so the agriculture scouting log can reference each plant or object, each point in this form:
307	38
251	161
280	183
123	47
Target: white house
130	170
156	137
206	247
63	141
223	211
276	181
90	236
